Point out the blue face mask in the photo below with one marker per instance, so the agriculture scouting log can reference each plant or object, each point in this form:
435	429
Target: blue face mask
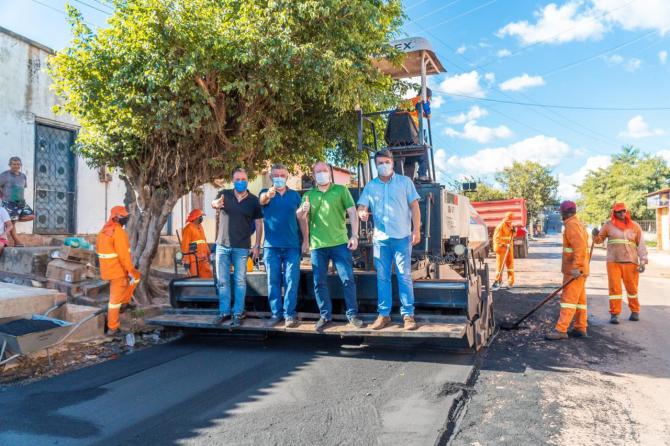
278	182
240	186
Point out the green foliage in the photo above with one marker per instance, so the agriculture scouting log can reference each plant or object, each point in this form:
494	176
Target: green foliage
177	92
628	179
529	180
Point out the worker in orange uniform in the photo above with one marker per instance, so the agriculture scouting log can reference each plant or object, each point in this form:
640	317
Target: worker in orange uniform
193	236
503	245
575	269
113	250
626	259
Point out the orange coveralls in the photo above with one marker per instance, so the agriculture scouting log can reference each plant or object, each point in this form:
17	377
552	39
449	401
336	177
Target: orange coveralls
575	256
625	251
194	233
503	237
113	249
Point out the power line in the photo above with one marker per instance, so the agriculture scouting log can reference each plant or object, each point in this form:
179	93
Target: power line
468	12
559	106
416	4
92	7
435	11
60	11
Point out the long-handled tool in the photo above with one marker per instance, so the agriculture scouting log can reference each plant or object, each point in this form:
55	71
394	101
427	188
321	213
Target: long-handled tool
496	283
515	325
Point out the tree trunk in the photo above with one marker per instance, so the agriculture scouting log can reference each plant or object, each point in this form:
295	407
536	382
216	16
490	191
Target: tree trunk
149	212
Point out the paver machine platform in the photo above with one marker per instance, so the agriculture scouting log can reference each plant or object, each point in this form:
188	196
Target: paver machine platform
453	301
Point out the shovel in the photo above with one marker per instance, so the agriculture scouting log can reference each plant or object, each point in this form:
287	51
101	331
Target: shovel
515	325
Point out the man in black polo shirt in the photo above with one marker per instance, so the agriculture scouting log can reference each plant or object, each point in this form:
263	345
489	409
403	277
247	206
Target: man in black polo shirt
240	214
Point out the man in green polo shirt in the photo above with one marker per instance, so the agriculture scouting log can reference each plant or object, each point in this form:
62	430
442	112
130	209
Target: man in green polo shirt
322	215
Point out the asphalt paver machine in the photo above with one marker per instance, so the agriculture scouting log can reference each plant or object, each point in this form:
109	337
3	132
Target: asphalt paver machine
454	305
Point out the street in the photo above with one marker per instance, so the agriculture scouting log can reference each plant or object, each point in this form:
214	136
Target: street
609	389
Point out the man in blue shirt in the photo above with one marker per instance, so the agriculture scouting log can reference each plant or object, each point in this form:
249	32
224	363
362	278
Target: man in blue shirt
394	203
282	246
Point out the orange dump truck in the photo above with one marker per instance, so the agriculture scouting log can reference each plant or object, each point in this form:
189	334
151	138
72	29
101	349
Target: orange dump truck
492	212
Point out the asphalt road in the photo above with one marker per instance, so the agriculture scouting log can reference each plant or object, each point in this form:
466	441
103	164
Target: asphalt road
209	391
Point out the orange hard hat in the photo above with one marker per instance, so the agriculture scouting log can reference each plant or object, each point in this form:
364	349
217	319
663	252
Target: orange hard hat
618	207
118	211
194	215
509	216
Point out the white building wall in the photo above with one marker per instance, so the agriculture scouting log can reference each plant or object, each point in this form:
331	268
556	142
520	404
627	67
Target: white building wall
26	100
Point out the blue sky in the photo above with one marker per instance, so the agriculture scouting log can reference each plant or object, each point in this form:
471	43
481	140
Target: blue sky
583	53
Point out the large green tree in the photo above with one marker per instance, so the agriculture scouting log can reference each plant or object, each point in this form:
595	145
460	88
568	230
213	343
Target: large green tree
174	93
629	177
529	180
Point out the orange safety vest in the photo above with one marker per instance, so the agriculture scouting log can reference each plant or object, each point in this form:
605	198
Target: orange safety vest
575	247
114	254
193	233
503	235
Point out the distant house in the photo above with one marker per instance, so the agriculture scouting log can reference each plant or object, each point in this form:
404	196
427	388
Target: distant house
68	197
660	201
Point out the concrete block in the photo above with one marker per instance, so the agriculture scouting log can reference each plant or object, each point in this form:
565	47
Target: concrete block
165	256
26	260
17	300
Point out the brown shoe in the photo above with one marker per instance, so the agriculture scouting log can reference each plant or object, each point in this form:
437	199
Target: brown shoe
555	335
409	323
380	322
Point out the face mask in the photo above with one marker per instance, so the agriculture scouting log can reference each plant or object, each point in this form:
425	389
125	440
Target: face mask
384	169
322	178
240	186
123	221
278	182
199	220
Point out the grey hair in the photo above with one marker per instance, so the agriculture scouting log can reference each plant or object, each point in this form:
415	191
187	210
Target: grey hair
278	166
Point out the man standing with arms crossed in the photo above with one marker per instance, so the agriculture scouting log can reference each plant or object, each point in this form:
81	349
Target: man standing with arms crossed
394	203
322	215
575	268
626	259
282	246
241	215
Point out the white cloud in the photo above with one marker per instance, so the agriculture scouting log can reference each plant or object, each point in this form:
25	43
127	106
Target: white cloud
504	53
567	187
478	133
579	20
665	154
663	57
521	83
546	150
436	102
557	25
467	84
474	113
646	14
632	64
490	77
638	128
461	49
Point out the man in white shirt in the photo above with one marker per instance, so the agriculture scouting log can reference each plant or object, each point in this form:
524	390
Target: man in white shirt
5	228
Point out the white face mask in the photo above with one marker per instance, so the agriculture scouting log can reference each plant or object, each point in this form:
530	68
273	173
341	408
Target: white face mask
384	169
322	178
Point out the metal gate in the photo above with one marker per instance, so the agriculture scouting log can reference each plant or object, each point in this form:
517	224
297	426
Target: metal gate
54	181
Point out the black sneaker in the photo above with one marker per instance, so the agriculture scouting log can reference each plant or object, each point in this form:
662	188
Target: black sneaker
356	322
237	321
220	319
321	324
614	319
274	320
634	317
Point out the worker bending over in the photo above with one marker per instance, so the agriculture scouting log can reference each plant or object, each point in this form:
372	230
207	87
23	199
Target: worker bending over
194	247
626	258
575	269
503	245
113	250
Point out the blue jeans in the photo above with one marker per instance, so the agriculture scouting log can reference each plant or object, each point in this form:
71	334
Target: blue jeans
283	268
341	257
385	253
226	256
